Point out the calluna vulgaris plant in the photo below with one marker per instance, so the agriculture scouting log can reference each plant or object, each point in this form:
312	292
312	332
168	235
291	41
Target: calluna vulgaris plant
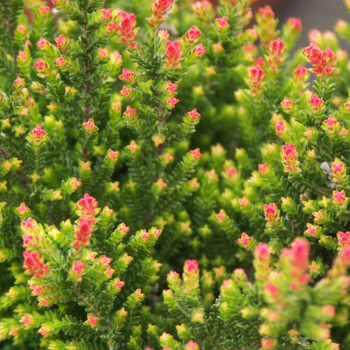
121	230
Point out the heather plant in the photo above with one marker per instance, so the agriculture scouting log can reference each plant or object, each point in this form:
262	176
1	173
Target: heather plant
108	191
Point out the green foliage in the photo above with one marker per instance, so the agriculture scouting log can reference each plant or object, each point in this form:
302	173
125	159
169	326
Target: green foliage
105	193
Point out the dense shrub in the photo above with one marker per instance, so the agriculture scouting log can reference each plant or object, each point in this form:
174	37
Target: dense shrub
171	177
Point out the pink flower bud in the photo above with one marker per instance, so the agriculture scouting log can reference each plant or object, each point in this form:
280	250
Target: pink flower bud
87	207
221	216
19	84
262	253
126	28
171	87
198	52
301	74
126	91
191	345
244	241
90	127
83	232
295	25
170	103
133	147
62	63
277	48
271	213
340	198
103	54
37	136
112	155
287	105
192	36
92	321
331	125
255	77
339	170
311	230
263	169
44	11
222	25
290	158
42	68
43	44
34	264
128	76
23	57
196	154
281	128
160	7
173	55
343	239
76	272
23	211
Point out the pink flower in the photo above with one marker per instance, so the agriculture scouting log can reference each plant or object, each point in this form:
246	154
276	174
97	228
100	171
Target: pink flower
76	272
295	25
196	154
42	67
44	10
83	232
221	216
263	168
340	198
33	263
133	147
290	158
255	77
301	74
112	155
244	240
343	239
160	7
330	124
281	127
277	48
130	112
37	136
339	170
171	87
126	28
103	53
192	36
62	63
43	44
191	345
198	51
23	57
170	103
87	206
221	24
27	321
271	213
191	266
128	76
90	127
314	55
62	42
23	210
173	55
262	253
126	91
92	321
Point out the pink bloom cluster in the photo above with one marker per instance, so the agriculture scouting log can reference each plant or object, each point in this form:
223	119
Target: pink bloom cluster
322	61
